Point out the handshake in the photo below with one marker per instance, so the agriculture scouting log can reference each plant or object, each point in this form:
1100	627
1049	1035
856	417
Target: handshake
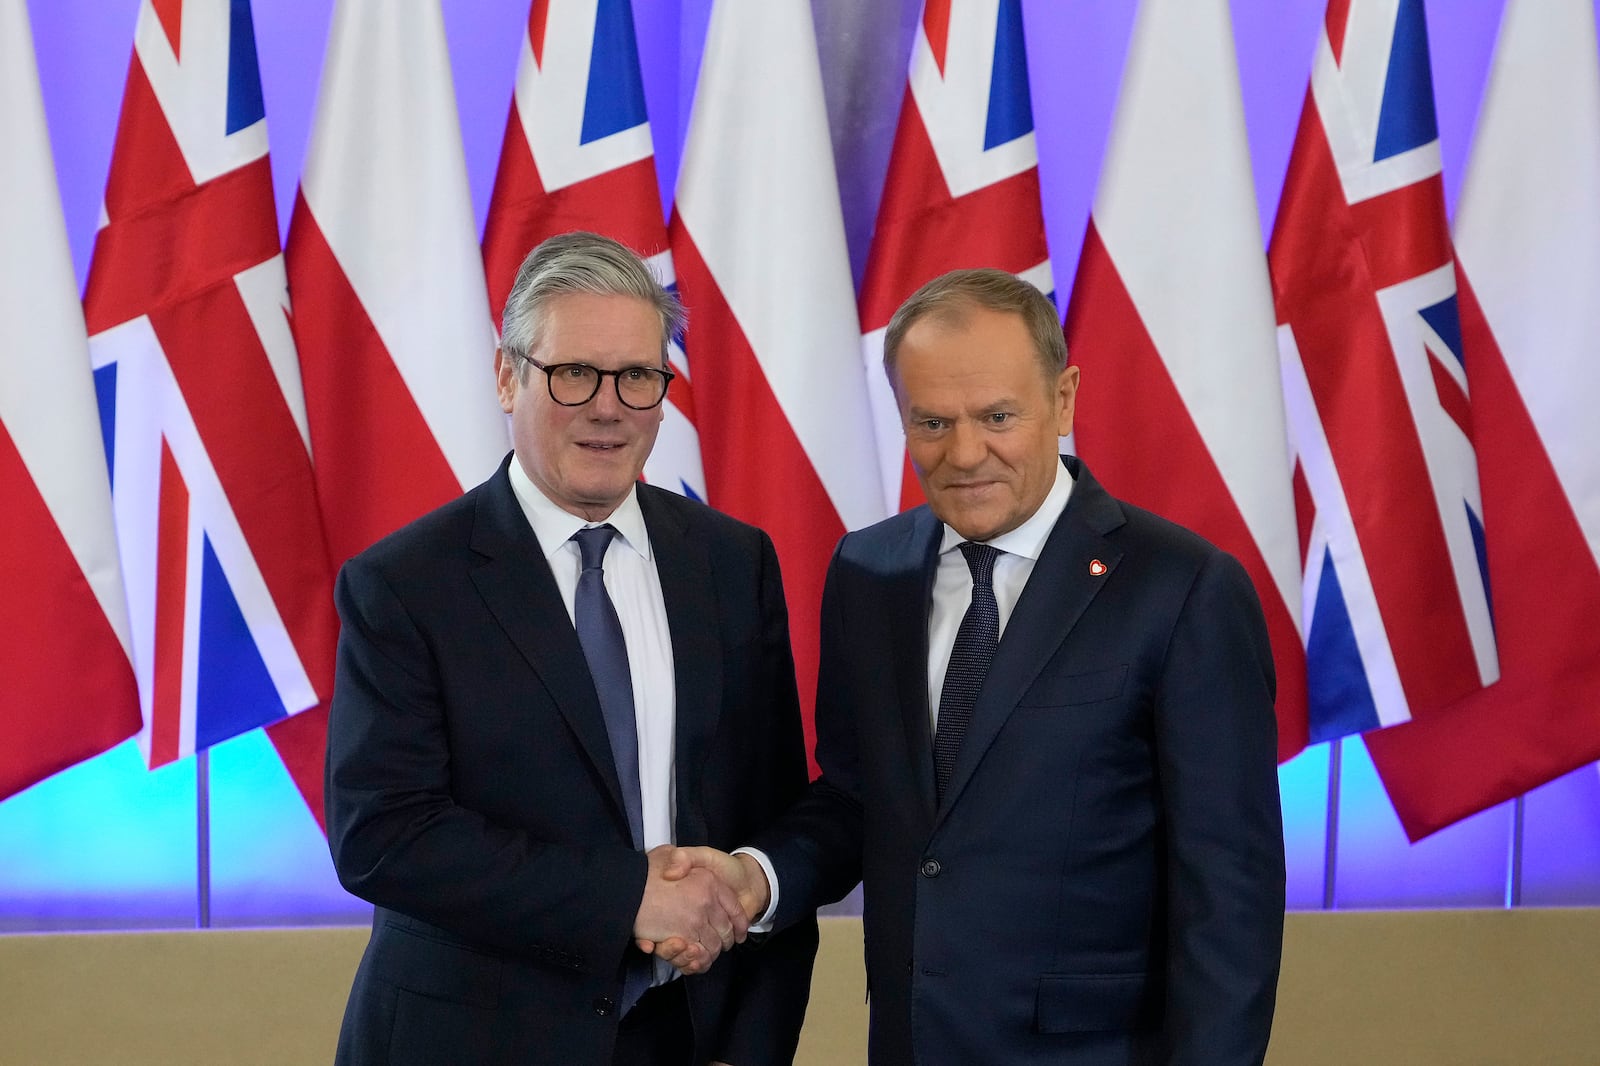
698	902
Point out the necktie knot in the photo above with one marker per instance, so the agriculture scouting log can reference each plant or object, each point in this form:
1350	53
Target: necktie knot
592	544
980	561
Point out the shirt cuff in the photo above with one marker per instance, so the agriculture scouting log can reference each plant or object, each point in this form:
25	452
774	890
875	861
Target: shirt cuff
764	924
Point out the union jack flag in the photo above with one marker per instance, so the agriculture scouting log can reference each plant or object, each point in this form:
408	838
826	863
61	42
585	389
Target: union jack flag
578	155
962	188
229	588
1396	593
1527	237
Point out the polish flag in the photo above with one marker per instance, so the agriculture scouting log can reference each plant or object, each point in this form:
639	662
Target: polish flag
69	689
390	312
1171	320
1528	238
222	550
758	238
962	188
1397	598
578	155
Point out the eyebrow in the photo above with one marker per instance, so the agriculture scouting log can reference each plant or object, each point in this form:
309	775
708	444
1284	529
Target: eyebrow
1002	404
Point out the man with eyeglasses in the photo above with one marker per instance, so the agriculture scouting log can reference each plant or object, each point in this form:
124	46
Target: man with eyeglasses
542	687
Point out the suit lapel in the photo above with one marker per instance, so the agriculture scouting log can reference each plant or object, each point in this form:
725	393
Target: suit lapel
684	566
907	597
519	590
1057	593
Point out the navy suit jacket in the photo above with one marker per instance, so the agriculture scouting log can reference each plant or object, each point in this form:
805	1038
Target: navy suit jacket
472	795
1103	881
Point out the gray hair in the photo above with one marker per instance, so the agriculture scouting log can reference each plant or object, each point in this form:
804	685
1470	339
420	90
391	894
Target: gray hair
580	262
949	297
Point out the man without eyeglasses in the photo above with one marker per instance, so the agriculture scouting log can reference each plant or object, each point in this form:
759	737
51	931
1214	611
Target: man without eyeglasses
542	686
1045	725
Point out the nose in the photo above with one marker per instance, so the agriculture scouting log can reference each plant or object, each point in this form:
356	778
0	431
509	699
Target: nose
967	448
606	406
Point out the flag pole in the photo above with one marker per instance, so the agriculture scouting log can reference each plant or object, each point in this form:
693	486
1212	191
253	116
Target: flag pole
1514	853
1330	845
202	780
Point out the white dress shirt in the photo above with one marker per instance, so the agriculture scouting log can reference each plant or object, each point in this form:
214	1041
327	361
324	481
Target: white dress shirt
952	584
635	590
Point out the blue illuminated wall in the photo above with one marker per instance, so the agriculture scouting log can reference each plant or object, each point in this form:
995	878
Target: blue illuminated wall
109	844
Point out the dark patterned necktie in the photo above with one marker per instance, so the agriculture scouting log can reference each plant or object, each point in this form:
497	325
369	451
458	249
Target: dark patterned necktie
600	633
970	657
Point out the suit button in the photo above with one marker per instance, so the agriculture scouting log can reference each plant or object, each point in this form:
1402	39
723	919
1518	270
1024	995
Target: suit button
604	1005
931	867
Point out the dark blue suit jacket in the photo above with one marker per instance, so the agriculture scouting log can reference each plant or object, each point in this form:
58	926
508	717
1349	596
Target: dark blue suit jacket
473	798
1103	882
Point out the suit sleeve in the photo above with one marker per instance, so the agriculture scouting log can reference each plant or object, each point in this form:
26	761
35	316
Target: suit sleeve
816	848
772	977
1216	745
397	836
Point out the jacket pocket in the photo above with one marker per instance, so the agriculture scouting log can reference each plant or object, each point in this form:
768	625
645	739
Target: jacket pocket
1090	1003
1059	691
437	968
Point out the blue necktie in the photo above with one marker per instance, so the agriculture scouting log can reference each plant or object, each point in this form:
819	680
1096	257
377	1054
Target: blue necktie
970	657
600	634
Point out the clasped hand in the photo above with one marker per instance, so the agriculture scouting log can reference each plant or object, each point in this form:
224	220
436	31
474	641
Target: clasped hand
698	902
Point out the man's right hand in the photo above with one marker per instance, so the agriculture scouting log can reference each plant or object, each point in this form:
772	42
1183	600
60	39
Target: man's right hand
740	874
687	906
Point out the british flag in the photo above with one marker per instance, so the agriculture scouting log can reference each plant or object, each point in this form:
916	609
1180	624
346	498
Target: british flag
229	589
1528	240
578	155
1396	590
962	188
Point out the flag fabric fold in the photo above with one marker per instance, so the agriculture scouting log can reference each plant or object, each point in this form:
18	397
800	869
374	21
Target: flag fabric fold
1171	320
758	239
222	548
64	640
1396	593
1527	240
578	154
962	189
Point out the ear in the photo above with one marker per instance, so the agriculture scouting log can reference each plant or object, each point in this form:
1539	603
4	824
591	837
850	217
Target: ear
1066	396
505	379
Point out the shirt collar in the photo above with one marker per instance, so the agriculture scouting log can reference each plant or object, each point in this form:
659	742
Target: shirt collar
554	526
1028	538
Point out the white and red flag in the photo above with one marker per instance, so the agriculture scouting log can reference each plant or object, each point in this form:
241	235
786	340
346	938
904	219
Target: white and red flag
1171	320
578	155
1527	240
962	188
69	690
390	314
758	239
1397	599
222	552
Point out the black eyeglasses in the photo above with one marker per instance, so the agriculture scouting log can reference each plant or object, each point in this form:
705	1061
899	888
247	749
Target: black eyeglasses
575	384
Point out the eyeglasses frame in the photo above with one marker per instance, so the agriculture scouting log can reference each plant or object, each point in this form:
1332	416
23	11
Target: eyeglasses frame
600	376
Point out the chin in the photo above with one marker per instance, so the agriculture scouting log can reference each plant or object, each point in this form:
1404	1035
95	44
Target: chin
971	530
